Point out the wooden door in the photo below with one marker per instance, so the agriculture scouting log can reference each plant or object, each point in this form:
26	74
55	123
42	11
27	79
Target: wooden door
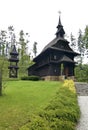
66	71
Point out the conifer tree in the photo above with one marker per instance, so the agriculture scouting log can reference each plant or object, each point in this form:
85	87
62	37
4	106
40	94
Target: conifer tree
85	40
73	41
23	52
3	42
35	48
81	47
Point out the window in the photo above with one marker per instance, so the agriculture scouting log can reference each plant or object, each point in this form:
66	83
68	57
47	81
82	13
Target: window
55	57
55	70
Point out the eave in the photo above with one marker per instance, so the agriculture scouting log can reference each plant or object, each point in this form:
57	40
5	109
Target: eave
13	60
10	67
63	50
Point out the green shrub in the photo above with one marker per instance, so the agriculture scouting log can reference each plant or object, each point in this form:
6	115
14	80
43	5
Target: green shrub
62	113
81	73
32	78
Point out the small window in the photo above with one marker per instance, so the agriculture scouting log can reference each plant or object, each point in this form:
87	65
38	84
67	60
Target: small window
55	70
55	57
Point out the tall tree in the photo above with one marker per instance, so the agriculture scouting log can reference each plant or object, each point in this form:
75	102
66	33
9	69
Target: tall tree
81	46
85	40
73	41
11	38
3	71
23	45
24	56
3	42
35	48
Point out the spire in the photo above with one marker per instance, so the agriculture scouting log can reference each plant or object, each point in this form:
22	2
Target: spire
60	31
59	18
59	21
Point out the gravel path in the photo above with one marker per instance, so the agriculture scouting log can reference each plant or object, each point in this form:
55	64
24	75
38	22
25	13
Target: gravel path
83	122
82	89
82	92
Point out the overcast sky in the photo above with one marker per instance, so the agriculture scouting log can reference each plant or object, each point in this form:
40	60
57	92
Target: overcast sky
40	17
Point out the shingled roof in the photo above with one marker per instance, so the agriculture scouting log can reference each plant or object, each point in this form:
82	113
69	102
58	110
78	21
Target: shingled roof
13	50
53	42
58	39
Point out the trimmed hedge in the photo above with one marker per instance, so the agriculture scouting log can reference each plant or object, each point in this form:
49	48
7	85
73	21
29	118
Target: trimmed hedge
62	113
32	78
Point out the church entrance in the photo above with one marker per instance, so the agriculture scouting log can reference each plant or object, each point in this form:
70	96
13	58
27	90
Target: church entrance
66	71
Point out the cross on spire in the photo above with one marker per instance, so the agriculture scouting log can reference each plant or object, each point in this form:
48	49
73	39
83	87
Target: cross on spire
59	12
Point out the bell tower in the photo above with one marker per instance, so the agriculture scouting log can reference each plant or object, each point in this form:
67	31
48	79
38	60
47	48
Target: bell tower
13	67
60	31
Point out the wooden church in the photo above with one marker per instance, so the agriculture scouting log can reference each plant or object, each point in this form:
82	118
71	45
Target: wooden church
56	59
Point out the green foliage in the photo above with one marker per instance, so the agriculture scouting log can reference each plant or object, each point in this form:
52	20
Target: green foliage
85	37
23	45
3	42
3	72
22	99
85	41
33	78
62	113
73	41
8	38
24	65
81	46
81	73
28	105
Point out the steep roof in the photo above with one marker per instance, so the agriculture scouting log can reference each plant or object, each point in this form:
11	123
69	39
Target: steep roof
58	39
65	50
13	50
53	42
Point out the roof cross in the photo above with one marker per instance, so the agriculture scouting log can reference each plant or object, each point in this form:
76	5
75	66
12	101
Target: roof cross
59	13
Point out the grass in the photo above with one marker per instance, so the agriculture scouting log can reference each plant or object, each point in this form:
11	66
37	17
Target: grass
21	99
28	105
62	112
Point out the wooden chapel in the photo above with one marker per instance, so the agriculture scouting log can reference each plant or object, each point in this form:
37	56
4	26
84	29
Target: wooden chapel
48	64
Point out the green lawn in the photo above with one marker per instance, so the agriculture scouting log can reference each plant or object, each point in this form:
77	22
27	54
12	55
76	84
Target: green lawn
21	99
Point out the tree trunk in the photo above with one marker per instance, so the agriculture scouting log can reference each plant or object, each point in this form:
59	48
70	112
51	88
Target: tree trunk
0	83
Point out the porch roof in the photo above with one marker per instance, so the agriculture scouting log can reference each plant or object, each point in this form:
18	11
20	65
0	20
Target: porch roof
66	59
